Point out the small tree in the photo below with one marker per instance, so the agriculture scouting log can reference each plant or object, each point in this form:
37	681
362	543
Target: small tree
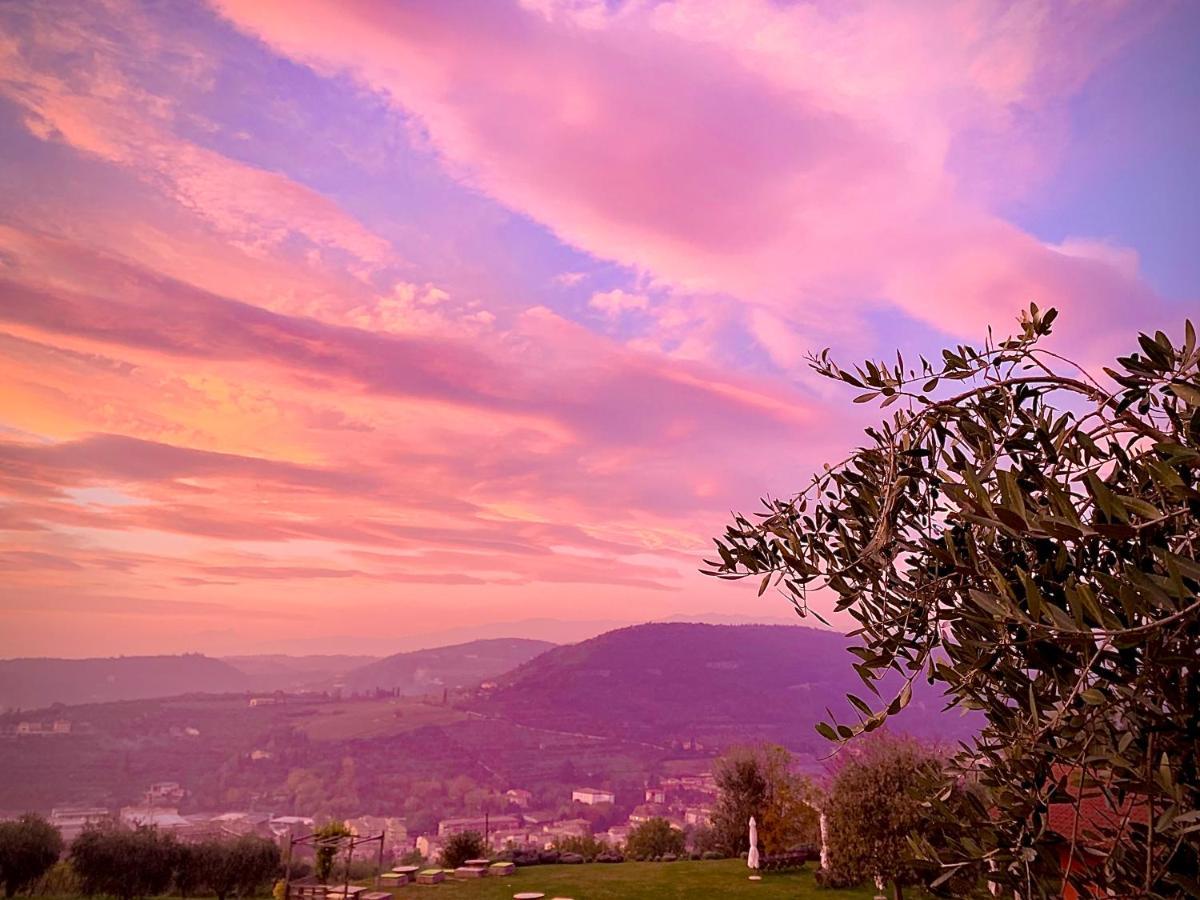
742	793
760	782
29	846
461	847
123	862
654	837
875	801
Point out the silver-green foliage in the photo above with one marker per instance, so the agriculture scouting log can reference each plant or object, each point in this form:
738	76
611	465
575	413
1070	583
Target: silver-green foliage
1024	532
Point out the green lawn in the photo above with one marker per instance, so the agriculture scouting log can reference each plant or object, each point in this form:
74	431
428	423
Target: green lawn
637	881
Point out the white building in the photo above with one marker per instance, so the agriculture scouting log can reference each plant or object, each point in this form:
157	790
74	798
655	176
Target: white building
429	847
481	824
161	818
618	834
71	820
592	796
519	797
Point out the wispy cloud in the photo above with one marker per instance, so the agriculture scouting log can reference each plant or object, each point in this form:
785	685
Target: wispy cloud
408	312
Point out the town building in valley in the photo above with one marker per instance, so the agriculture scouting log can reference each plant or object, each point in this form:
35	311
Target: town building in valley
592	796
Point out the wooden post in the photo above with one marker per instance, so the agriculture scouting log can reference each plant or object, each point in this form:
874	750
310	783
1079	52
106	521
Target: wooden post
287	866
379	859
346	878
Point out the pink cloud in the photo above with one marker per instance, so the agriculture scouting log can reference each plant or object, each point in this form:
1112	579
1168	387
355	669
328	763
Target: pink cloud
586	383
96	108
221	382
800	157
615	302
550	458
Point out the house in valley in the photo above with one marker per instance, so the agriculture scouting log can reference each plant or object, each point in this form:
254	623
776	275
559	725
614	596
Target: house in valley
592	796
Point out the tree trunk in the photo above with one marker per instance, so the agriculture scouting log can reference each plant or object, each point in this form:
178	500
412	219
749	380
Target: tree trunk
897	891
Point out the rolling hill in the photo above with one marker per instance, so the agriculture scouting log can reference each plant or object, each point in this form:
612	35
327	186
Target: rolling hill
279	672
608	711
32	683
429	671
718	684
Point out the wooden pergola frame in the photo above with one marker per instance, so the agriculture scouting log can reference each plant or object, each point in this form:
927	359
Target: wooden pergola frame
318	842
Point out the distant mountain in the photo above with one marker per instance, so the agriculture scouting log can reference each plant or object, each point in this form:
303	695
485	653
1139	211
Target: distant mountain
459	665
33	683
278	672
385	641
719	684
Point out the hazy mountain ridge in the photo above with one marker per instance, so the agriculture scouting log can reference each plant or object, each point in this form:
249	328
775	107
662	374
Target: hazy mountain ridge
456	666
612	708
31	683
719	684
278	671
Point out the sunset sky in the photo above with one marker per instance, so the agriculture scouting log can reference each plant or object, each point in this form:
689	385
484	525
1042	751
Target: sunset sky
328	320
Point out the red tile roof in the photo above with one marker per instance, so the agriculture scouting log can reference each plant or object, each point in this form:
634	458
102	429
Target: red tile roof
1093	818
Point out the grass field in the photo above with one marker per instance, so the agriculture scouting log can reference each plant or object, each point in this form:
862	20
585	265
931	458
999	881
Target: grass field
638	881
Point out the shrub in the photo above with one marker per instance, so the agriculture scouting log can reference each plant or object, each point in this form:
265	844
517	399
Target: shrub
461	847
60	880
654	838
586	846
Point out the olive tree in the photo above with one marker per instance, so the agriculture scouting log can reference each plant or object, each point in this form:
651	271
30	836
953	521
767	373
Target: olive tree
126	863
236	865
1023	531
29	846
876	799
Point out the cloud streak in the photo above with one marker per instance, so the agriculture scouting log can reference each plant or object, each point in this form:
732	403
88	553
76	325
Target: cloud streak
407	312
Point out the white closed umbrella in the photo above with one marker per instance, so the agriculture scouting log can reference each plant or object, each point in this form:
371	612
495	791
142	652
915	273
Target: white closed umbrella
752	856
